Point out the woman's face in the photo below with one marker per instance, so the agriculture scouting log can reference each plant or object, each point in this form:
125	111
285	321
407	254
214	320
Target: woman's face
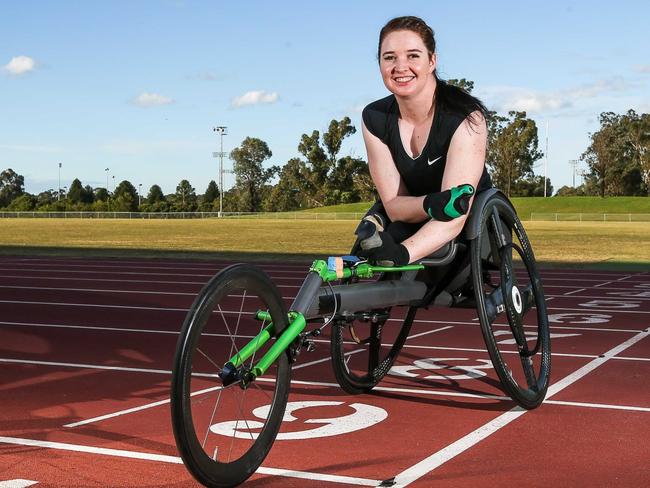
405	64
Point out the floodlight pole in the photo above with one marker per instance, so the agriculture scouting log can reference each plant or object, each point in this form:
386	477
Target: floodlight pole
139	195
574	164
546	159
107	170
222	131
59	193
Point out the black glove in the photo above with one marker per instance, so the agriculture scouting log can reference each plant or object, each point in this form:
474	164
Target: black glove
384	251
449	204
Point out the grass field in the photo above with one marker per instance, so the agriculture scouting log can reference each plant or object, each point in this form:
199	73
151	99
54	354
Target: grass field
585	244
526	206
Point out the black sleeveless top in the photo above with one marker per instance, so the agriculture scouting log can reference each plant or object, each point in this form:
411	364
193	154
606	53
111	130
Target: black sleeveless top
421	175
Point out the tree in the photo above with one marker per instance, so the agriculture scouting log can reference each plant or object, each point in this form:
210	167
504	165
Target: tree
512	148
125	198
250	175
101	194
618	154
44	199
75	192
185	197
324	178
532	187
23	203
210	199
288	193
11	186
463	84
155	195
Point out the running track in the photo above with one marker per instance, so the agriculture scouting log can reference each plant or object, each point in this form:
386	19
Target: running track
86	348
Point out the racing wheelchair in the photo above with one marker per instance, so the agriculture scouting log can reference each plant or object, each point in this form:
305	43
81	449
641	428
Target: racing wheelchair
233	363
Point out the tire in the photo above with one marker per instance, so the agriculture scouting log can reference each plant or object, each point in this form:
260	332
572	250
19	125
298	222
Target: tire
364	348
223	433
520	349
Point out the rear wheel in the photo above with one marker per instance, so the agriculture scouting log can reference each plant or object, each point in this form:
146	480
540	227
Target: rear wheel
511	304
365	346
225	425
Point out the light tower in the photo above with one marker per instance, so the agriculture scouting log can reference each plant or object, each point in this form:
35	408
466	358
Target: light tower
222	130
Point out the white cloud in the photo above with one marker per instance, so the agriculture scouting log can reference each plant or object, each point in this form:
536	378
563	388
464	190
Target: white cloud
506	98
143	147
255	97
151	100
642	68
31	148
20	65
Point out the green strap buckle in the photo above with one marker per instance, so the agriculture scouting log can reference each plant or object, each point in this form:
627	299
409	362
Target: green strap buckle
456	193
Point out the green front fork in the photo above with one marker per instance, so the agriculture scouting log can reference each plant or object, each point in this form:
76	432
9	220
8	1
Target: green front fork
319	274
296	325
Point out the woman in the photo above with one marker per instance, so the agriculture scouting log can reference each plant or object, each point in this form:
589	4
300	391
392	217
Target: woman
423	140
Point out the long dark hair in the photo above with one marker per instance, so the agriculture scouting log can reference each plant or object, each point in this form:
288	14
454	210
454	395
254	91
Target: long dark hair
449	97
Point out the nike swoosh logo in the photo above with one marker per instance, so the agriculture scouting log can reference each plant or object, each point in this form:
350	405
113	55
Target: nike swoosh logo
431	162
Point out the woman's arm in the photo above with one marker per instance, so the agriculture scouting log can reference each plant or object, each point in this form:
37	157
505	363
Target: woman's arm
465	163
399	205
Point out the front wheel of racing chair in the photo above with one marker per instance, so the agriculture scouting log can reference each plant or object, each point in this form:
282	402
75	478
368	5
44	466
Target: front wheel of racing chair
509	299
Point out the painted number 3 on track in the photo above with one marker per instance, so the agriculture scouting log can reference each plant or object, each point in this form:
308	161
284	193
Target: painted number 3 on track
364	416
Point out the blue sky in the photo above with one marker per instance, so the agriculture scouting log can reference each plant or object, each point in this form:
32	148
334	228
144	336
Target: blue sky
137	86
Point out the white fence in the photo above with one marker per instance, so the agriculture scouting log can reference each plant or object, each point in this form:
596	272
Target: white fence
552	217
589	217
186	215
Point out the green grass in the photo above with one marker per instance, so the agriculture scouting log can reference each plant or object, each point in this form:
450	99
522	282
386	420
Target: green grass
612	245
525	206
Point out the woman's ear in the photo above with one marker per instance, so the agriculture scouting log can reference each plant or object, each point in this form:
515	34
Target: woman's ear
433	61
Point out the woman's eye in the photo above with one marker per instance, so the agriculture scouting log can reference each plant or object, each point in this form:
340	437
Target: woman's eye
413	56
389	58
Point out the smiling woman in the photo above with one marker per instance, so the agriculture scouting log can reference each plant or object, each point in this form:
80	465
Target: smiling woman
425	141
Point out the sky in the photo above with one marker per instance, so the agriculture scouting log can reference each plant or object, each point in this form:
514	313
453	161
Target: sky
131	90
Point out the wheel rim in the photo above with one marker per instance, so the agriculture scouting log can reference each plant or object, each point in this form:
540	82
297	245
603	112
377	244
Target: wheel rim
511	306
366	349
226	431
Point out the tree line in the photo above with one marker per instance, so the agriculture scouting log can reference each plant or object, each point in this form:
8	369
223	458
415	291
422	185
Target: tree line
617	160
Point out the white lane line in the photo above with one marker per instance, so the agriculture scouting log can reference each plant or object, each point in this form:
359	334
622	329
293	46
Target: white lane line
417	321
571	292
437	459
101	280
92	305
177	460
430	332
328	358
84	366
18	483
101	305
599	405
210	267
138	409
597	310
91	327
610	296
625	358
141	273
133	307
603	284
97	290
203	282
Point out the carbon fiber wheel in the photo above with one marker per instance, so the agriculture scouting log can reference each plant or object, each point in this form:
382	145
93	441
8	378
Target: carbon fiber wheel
510	303
224	425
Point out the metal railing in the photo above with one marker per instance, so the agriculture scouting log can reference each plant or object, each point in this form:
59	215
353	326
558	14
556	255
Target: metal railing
590	217
186	215
534	216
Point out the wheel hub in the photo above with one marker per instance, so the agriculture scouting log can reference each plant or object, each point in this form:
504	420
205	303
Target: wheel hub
516	299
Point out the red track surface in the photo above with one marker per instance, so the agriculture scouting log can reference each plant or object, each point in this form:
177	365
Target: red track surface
81	339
